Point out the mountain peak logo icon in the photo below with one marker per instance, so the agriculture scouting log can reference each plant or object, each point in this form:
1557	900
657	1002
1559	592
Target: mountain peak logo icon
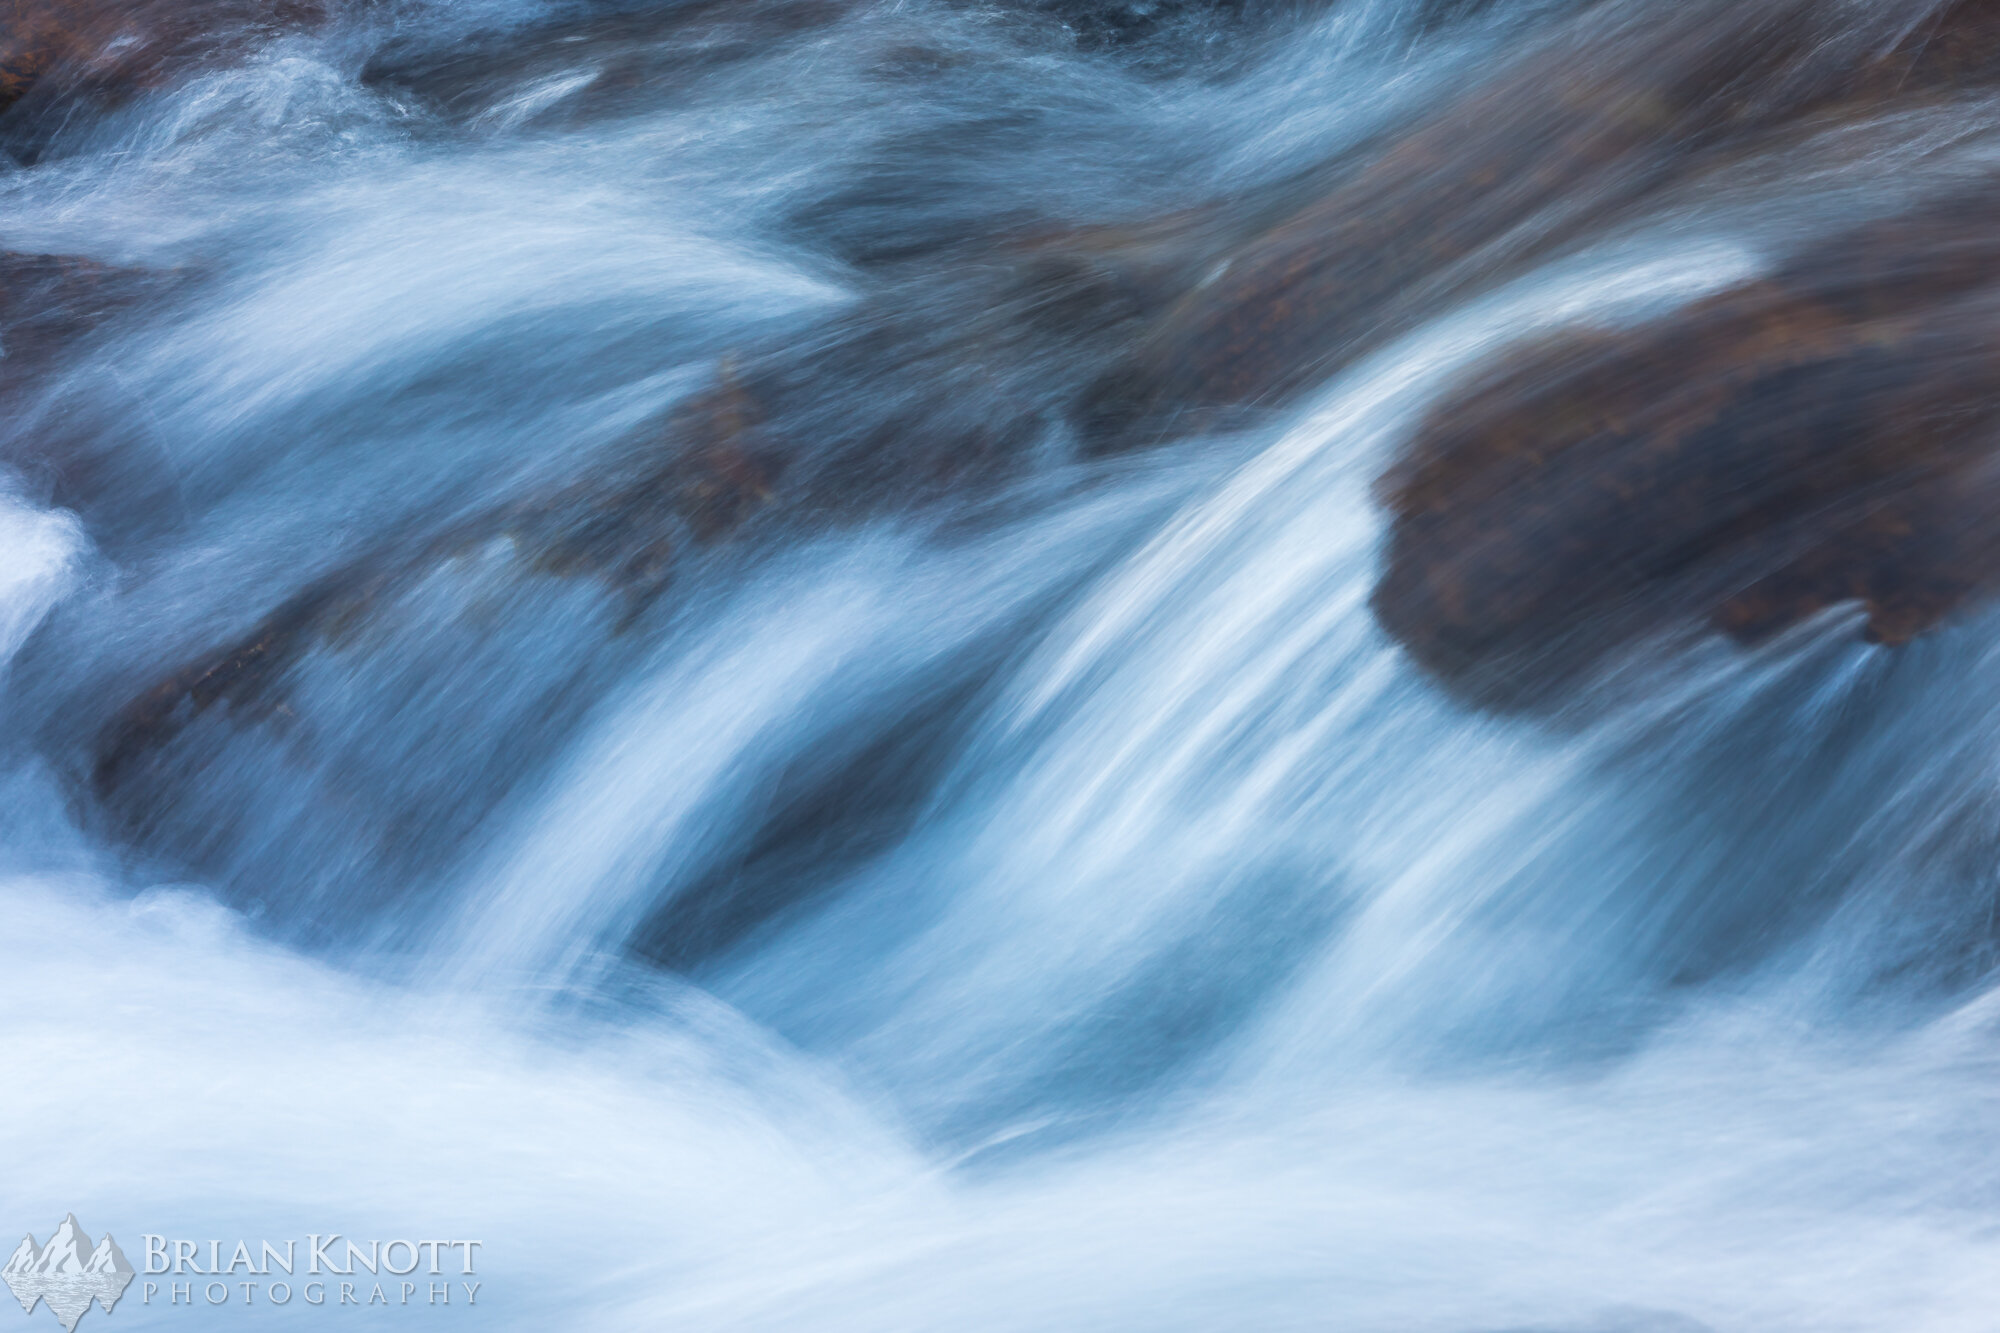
68	1273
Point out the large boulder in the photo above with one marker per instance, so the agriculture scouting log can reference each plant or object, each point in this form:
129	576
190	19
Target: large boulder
1828	434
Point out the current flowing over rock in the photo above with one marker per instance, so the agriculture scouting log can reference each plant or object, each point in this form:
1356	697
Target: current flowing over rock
1022	665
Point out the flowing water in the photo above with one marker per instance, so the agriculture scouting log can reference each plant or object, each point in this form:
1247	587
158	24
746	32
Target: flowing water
1052	906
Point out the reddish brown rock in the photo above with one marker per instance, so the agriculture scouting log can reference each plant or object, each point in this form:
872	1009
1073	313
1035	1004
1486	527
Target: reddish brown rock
113	47
1610	109
34	36
1830	434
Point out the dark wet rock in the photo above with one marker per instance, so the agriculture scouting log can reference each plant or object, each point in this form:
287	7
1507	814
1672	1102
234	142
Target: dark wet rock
1829	434
1613	107
108	49
33	38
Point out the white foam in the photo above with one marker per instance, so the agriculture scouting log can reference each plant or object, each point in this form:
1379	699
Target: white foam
40	554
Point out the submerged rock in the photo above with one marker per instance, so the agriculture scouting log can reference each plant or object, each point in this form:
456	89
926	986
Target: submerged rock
47	301
1828	434
706	473
51	308
895	406
580	63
